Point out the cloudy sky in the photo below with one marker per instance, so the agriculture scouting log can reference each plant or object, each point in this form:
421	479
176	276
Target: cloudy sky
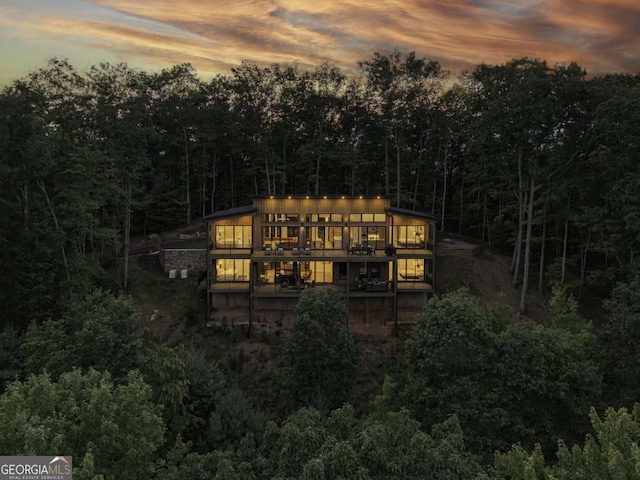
216	35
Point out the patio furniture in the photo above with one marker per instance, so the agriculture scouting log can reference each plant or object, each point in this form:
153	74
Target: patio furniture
375	286
360	249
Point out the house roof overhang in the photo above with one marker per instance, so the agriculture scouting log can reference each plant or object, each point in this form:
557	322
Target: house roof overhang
230	213
405	212
322	197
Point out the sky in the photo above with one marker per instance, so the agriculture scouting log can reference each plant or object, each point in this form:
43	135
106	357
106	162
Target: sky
603	36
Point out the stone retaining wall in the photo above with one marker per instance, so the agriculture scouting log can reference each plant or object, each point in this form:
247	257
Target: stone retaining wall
193	260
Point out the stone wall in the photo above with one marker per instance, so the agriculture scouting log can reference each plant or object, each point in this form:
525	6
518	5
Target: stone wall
193	260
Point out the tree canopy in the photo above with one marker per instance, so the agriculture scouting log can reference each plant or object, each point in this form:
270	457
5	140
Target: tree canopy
320	356
507	382
111	430
540	162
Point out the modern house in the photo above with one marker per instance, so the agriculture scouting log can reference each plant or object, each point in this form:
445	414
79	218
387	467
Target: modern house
261	257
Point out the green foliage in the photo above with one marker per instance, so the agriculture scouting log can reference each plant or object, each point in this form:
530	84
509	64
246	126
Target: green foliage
166	374
87	159
564	315
563	307
116	429
339	446
102	331
320	357
518	464
612	453
180	463
614	217
451	335
524	383
620	344
10	365
381	404
218	414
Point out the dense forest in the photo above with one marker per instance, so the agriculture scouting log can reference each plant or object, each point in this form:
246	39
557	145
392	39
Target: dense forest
540	162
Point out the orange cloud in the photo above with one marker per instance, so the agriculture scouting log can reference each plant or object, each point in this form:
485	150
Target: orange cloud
600	35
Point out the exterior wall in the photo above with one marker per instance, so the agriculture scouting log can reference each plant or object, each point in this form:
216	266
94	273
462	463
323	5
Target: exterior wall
413	299
225	301
286	304
193	260
265	291
302	206
214	244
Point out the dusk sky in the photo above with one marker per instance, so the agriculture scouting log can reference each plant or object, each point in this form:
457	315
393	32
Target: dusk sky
216	35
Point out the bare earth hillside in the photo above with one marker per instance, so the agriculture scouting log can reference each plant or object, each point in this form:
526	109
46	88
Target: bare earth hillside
486	275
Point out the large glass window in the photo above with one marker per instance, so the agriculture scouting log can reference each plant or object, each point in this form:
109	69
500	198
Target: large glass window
374	237
367	217
411	270
232	270
280	237
295	272
369	270
270	236
233	236
280	217
323	217
342	271
409	236
329	238
317	237
319	272
334	238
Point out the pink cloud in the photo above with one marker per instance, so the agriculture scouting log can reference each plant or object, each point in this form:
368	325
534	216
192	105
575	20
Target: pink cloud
215	36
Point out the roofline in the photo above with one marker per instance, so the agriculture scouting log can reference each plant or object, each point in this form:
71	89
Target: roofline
231	212
250	209
322	197
414	213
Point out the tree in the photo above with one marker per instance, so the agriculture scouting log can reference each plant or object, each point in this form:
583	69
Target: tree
614	218
117	429
120	120
55	187
401	88
31	264
167	376
102	331
611	453
179	100
531	110
310	446
507	382
10	365
219	415
620	342
320	358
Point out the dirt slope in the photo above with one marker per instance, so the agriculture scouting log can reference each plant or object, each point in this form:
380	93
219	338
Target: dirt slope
486	275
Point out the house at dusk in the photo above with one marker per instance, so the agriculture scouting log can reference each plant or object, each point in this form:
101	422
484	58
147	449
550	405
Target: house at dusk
262	257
